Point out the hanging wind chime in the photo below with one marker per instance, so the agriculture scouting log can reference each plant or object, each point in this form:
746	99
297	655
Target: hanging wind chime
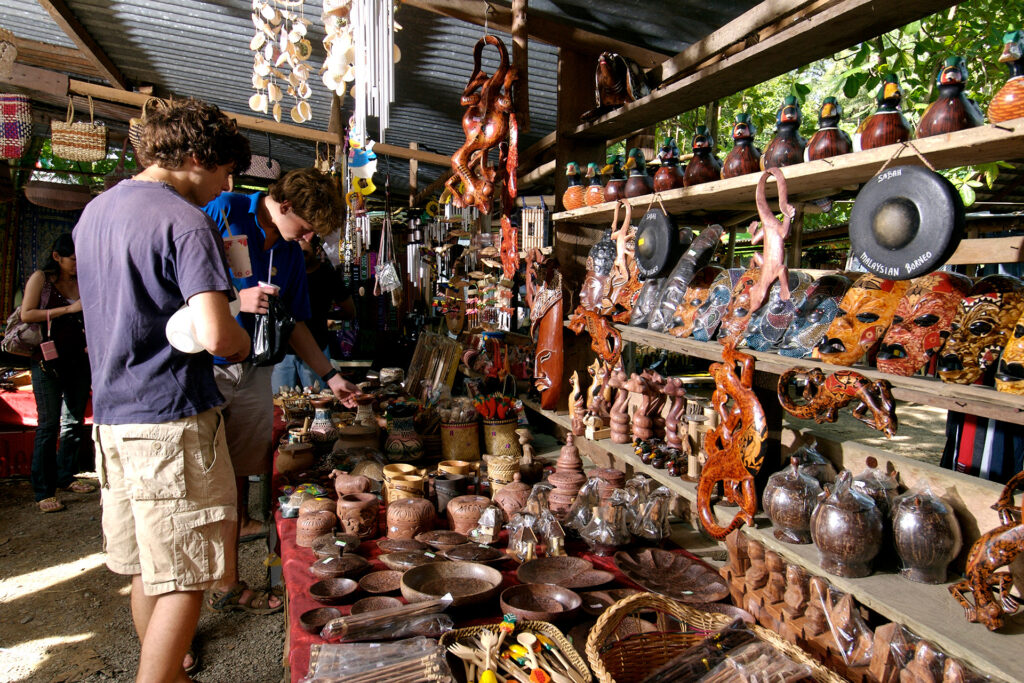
280	41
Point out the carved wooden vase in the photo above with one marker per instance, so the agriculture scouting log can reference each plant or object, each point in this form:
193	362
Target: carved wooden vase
512	498
357	514
403	443
313	524
350	483
464	512
789	500
927	536
322	430
408	517
847	528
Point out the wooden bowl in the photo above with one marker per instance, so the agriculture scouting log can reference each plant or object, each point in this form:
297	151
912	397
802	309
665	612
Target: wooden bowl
442	539
468	582
387	581
332	591
339	567
375	603
391	545
334	545
414	558
315	619
539	601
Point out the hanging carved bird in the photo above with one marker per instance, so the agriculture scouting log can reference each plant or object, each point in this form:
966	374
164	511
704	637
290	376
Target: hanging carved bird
668	176
1009	101
787	146
638	183
829	140
953	110
744	157
705	165
572	198
618	80
887	125
615	186
595	191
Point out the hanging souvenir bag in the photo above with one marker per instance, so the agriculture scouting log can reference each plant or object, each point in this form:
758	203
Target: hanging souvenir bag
388	279
15	125
263	166
137	123
79	141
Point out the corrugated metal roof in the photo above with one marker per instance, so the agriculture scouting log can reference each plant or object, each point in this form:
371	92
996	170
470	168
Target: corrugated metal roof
200	48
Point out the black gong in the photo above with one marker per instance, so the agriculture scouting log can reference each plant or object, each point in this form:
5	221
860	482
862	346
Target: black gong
906	222
658	243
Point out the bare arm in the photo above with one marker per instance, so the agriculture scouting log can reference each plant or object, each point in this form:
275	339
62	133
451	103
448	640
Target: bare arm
30	311
216	329
305	347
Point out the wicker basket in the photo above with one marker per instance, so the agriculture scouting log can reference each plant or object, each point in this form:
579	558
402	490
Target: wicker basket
630	659
541	627
460	440
137	123
15	125
78	141
500	438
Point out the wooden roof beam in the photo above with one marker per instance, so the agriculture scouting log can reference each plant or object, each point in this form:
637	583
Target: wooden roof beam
540	28
90	49
55	57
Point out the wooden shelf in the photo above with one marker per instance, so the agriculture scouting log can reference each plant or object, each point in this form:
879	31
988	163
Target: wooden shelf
814	179
974	399
927	610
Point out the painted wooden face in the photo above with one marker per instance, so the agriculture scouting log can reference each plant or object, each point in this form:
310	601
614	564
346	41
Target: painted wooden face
921	322
1010	373
738	314
864	316
981	327
769	323
696	294
710	313
813	317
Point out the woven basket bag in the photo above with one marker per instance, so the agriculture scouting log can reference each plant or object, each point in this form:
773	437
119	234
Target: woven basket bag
78	141
15	125
137	123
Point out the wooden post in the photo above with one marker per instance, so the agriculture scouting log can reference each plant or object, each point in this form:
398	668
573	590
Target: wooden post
414	167
796	231
521	61
731	254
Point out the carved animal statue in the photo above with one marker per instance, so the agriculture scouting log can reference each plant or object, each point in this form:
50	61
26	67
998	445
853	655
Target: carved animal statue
625	277
487	123
773	232
996	549
574	393
825	396
733	448
598	392
605	340
617	80
619	418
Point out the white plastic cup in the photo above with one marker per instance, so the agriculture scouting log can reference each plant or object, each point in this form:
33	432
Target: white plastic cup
236	247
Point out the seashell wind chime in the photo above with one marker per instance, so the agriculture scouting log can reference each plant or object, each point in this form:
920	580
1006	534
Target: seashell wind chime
280	41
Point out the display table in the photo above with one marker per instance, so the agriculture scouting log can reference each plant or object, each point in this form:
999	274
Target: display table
18	419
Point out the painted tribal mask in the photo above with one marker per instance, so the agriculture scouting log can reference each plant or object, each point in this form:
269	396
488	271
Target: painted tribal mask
814	316
769	323
597	283
981	328
921	322
738	315
1010	373
865	313
696	294
710	313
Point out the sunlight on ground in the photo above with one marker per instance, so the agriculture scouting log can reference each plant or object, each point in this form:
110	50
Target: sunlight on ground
125	589
29	656
50	576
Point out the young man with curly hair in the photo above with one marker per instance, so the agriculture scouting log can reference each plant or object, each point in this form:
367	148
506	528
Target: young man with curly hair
145	249
302	202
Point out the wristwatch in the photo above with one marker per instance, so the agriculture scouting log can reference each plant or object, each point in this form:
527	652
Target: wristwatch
330	373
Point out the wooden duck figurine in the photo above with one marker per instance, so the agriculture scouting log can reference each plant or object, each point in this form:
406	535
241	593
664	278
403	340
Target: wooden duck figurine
953	110
572	198
1009	101
705	166
639	183
829	140
744	157
887	125
618	80
668	176
787	147
615	186
595	191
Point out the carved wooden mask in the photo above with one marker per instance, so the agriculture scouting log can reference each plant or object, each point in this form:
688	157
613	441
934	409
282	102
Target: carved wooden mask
738	315
864	315
981	327
710	313
814	316
696	294
770	322
921	322
597	284
1010	373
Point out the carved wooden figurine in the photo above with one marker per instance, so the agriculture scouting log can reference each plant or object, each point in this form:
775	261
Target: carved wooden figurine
704	166
773	232
619	417
546	314
615	186
796	593
594	194
829	140
734	446
744	157
625	276
825	396
1008	103
657	384
638	183
953	110
787	146
597	393
643	425
577	404
574	195
676	392
668	176
887	125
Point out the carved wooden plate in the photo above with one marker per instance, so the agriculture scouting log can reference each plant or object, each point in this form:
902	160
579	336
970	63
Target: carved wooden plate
471	552
673	575
565	571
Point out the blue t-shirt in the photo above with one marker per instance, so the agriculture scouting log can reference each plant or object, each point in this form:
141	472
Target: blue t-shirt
143	250
286	259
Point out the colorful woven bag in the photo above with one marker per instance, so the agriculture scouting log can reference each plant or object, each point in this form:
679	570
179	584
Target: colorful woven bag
15	125
78	141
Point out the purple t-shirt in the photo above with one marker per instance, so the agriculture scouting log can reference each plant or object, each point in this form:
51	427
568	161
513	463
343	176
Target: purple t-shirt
142	251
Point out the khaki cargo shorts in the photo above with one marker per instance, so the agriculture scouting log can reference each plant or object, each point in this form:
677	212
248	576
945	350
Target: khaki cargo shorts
168	495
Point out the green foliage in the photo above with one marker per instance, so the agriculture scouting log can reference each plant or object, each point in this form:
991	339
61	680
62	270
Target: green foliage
915	53
55	169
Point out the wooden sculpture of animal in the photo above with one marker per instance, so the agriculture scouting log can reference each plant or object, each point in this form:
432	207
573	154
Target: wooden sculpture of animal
825	396
744	157
787	146
773	232
487	123
992	551
733	448
615	186
668	176
617	81
594	194
887	125
605	340
1008	103
625	277
953	110
638	183
575	195
704	166
829	140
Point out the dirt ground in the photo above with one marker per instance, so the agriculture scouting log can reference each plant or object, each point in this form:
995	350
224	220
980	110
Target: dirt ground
65	617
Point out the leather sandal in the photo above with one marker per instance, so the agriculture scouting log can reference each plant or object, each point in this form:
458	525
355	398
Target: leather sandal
50	504
79	486
195	665
230	600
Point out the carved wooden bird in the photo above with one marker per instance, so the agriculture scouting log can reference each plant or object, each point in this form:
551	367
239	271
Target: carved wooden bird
887	125
953	110
829	140
617	81
1009	101
787	146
